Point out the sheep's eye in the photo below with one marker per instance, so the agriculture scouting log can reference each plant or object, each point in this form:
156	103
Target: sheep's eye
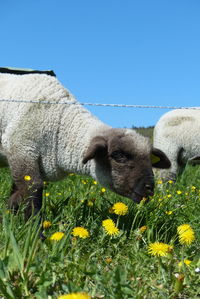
120	156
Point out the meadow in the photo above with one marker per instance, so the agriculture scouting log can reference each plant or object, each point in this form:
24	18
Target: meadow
138	252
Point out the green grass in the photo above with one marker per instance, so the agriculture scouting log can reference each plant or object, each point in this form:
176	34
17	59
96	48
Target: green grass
113	267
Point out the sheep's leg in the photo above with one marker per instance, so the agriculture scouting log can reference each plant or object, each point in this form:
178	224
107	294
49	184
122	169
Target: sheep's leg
28	191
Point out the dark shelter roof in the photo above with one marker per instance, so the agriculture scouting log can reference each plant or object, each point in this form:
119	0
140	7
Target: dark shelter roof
17	71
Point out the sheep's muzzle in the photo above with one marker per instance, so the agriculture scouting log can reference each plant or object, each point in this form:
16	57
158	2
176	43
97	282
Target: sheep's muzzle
144	188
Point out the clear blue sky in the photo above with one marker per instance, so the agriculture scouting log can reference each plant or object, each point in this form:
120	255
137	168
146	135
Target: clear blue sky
110	51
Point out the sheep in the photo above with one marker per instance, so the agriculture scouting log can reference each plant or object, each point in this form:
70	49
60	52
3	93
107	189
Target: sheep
47	141
178	134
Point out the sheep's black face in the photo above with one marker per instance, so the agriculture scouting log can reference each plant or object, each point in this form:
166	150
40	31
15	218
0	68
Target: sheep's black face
132	174
123	161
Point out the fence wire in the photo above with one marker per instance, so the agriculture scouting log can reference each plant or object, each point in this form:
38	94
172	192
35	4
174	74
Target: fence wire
96	104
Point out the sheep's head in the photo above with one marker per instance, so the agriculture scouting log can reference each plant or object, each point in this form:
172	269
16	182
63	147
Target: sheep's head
124	161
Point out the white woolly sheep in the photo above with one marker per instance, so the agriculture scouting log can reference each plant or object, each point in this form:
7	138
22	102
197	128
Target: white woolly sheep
177	133
47	141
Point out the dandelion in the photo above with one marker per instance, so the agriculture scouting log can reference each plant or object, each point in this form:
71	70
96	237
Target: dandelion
193	188
79	295
80	232
168	212
108	222
112	230
95	182
170	182
46	224
159	249
159	182
47	194
108	260
110	227
179	192
103	190
143	228
169	195
186	262
120	208
57	236
27	178
186	234
90	203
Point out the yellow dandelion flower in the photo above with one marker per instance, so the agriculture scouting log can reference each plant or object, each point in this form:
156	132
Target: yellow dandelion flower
143	228
108	260
170	182
84	182
27	178
183	228
95	182
120	208
103	190
169	195
79	295
179	192
186	234
90	203
168	212
46	224
186	262
193	188
160	199
57	236
108	222
159	249
109	227
159	182
80	232
112	230
47	194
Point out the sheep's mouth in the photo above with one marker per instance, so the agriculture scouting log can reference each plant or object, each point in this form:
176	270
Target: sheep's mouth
137	197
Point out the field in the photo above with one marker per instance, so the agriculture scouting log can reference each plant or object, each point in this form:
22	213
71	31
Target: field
118	260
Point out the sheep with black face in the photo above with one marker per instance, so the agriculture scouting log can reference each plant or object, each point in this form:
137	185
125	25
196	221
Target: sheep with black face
47	141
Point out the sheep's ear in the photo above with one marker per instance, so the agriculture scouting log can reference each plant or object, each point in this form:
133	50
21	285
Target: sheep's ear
159	159
194	160
96	149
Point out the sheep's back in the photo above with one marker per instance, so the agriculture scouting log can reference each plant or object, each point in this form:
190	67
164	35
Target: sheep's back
178	129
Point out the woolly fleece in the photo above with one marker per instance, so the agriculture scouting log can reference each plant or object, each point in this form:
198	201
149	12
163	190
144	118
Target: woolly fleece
177	135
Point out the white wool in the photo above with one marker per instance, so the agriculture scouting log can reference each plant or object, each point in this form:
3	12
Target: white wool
176	130
60	132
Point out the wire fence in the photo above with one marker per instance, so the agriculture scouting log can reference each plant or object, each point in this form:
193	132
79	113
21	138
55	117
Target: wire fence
96	104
